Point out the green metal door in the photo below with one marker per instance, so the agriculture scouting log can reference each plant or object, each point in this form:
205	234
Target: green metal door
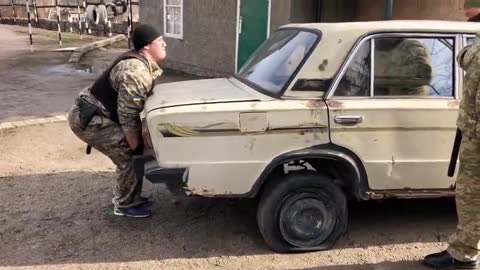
253	23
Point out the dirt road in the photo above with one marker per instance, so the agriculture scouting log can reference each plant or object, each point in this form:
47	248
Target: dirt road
55	213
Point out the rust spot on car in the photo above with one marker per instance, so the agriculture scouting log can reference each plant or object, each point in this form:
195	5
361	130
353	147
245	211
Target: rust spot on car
333	104
314	113
314	104
407	193
453	104
251	144
323	65
390	168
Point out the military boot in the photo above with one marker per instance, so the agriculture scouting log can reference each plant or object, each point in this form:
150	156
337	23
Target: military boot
443	260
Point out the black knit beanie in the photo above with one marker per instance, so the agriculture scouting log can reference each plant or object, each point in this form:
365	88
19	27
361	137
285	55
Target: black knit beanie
143	35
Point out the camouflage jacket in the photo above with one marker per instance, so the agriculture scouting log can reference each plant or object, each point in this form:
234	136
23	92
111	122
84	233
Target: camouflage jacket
403	70
133	81
469	60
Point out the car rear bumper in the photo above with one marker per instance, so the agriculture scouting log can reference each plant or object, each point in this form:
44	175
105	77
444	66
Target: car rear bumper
174	178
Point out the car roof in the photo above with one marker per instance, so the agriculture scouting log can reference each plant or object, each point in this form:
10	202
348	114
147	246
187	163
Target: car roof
362	28
338	39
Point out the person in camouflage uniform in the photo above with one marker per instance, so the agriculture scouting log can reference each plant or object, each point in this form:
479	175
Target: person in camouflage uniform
464	245
107	115
402	67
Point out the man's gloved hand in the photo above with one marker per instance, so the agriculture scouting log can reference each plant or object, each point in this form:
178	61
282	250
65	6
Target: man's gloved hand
135	141
138	150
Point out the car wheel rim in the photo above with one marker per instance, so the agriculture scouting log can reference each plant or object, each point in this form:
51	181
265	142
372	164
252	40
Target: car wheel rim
305	220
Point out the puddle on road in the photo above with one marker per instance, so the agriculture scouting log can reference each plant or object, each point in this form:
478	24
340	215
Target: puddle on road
96	69
46	63
70	68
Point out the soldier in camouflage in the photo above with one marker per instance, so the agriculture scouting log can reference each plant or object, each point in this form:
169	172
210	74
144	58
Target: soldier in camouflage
402	67
107	115
464	244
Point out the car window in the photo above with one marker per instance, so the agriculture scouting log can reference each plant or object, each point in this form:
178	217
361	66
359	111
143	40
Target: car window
401	67
470	40
356	80
274	63
414	67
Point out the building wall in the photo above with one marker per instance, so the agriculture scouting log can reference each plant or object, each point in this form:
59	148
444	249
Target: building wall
209	42
208	46
293	11
338	10
280	14
413	9
304	11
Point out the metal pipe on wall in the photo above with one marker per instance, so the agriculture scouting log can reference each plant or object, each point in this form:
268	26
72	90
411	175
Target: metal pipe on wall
58	23
35	11
89	31
388	10
14	12
79	20
27	4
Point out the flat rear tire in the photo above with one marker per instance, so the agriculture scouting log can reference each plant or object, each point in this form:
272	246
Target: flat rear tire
302	211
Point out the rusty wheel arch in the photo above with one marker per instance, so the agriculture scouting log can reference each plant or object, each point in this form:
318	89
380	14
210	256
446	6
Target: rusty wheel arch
336	162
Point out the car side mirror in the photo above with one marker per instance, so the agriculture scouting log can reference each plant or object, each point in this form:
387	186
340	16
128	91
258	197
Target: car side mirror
312	85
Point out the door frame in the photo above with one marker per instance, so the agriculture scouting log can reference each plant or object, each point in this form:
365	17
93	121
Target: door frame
237	28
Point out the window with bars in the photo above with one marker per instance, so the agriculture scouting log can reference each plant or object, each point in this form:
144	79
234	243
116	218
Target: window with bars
173	18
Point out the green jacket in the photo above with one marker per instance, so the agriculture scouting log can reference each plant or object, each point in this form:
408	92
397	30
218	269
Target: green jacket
468	116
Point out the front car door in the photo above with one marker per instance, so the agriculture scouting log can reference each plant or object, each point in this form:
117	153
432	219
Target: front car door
395	104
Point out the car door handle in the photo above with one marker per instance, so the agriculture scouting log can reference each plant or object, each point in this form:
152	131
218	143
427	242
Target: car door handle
348	119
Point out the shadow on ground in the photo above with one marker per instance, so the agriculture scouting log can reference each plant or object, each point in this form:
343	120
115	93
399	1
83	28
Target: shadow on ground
67	217
406	265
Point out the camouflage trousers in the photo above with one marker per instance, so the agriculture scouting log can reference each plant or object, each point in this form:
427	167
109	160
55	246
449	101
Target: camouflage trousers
108	138
465	243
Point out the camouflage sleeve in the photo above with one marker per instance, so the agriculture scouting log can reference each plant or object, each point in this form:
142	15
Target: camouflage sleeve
419	62
461	56
470	81
133	80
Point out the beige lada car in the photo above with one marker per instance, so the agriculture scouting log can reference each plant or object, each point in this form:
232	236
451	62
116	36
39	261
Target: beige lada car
320	114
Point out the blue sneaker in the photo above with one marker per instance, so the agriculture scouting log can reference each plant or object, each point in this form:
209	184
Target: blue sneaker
136	212
145	202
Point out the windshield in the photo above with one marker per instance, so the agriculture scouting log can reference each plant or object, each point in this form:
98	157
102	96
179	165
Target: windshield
276	60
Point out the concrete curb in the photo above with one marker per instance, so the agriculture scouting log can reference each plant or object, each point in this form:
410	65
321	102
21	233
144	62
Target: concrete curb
80	51
33	122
